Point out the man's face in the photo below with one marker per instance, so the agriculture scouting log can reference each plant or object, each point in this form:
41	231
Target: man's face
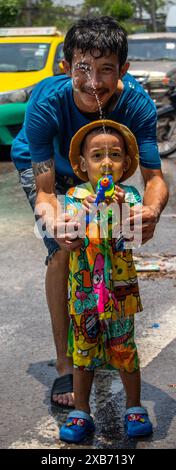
104	154
94	80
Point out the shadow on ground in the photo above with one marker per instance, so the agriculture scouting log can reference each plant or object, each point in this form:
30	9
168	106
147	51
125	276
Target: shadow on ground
108	407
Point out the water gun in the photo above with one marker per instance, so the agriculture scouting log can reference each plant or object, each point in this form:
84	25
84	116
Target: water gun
104	189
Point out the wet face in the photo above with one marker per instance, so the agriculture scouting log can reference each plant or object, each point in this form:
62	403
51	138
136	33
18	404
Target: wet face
94	79
104	154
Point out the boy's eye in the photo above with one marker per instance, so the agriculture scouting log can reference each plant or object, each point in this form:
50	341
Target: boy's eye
97	155
115	154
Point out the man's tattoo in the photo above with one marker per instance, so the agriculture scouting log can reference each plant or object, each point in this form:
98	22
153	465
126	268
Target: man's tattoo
43	167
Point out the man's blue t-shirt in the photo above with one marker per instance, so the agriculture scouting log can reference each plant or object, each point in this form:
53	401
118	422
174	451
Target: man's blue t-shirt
52	118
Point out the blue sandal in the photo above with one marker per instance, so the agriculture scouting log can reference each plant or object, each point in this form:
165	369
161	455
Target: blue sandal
137	422
77	427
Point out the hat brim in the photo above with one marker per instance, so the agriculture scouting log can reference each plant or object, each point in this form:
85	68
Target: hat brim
130	141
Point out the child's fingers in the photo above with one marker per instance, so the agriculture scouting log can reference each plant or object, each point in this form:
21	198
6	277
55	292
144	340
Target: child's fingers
88	202
117	188
120	193
119	196
89	199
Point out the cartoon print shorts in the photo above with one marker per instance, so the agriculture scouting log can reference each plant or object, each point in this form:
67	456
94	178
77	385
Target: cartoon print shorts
102	343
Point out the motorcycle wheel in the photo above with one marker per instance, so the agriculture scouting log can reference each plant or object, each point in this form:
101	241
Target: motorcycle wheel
166	135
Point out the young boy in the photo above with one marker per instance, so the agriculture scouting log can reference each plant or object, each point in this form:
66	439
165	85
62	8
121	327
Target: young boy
103	285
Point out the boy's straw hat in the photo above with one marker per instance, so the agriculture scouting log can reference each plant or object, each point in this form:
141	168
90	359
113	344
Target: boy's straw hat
131	146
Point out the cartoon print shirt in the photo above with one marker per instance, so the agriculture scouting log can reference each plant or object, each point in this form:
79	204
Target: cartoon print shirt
102	275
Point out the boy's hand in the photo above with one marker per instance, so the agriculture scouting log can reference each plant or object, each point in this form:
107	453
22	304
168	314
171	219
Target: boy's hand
119	195
88	201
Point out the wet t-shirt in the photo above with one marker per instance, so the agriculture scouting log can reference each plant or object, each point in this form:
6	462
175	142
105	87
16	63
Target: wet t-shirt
52	118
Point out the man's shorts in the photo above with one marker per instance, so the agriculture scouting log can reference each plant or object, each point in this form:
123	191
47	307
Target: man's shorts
27	180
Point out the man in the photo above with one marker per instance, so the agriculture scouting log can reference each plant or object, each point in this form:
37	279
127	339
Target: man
96	85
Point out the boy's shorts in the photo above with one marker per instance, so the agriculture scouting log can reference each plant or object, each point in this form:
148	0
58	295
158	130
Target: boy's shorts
109	345
63	183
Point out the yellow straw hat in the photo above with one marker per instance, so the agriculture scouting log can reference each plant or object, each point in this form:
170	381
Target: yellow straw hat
77	139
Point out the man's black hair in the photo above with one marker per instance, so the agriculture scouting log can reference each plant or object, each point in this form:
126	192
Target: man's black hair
103	33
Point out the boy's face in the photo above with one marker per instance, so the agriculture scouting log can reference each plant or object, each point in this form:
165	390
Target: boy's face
104	154
94	79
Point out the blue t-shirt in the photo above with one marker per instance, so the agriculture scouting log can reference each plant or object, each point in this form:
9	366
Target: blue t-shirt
52	118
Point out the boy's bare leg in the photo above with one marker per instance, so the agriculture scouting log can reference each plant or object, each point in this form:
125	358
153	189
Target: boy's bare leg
82	383
57	298
132	385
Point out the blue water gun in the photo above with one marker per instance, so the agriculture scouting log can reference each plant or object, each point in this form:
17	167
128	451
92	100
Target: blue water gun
104	189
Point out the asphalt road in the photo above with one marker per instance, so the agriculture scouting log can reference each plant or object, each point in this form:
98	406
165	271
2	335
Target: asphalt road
27	350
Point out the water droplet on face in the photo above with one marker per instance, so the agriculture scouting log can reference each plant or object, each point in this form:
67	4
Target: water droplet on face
87	69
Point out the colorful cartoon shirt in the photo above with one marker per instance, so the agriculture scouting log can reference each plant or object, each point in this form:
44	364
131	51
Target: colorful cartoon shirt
103	294
102	276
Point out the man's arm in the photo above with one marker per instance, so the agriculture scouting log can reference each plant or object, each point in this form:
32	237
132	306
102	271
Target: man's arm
52	215
44	173
156	191
155	199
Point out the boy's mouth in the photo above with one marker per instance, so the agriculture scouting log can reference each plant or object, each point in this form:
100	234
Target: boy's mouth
106	173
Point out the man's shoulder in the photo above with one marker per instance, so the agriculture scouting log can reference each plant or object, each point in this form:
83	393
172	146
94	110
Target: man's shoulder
51	86
134	90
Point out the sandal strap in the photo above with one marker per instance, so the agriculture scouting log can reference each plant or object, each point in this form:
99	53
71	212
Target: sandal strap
136	410
63	384
80	414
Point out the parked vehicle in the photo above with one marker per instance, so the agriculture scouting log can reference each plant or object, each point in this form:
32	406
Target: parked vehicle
27	55
151	56
166	125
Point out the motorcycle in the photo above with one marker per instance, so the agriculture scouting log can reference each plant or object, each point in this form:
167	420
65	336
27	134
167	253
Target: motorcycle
166	124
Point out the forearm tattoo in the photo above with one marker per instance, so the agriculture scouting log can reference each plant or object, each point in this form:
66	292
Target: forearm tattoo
43	167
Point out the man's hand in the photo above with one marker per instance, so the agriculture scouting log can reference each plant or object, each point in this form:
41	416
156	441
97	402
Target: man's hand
155	198
60	226
150	218
66	232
